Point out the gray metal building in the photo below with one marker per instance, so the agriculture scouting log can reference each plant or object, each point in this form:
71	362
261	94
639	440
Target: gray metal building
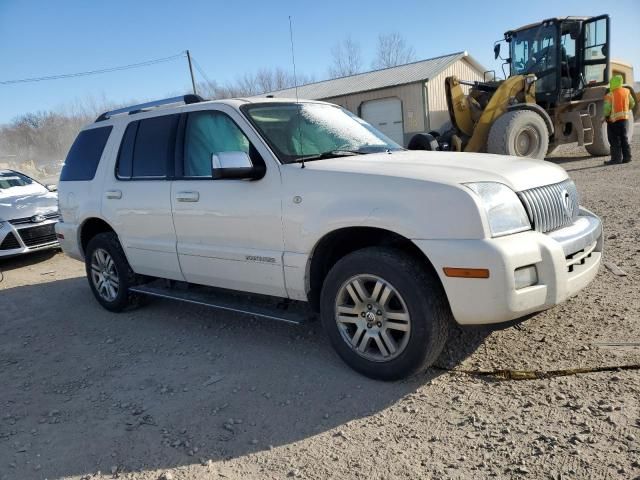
399	101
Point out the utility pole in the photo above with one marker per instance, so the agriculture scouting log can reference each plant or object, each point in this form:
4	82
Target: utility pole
193	82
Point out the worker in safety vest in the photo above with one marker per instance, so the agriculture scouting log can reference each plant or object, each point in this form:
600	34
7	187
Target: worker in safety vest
617	104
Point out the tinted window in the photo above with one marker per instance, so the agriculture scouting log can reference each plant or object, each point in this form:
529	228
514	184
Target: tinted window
209	133
84	156
154	146
124	167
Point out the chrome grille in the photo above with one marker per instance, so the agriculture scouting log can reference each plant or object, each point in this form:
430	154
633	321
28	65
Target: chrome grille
22	221
552	206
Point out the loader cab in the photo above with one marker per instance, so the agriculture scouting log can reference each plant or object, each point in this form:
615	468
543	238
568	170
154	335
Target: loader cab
567	55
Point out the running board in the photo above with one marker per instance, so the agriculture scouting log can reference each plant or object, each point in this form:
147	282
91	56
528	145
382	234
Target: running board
282	310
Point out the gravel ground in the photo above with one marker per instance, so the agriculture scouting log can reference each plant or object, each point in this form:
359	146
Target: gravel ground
182	392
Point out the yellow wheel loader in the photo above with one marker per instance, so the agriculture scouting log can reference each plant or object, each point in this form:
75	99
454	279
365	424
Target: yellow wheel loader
559	71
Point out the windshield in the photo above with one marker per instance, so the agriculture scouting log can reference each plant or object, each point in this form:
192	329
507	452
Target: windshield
9	179
534	51
297	131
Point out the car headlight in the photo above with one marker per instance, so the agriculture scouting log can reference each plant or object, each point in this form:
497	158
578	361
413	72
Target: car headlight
504	210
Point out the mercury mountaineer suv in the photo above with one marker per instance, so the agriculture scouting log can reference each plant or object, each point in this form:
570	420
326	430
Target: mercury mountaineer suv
303	204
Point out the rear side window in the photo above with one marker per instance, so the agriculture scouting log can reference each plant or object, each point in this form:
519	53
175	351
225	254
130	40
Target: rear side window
83	158
148	148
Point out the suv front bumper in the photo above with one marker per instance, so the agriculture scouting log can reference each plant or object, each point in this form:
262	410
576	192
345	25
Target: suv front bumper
565	260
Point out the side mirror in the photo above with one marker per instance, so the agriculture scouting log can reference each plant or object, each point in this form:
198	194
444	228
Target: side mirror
496	51
51	187
233	165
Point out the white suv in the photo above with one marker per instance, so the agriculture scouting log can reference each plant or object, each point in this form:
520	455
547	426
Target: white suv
305	203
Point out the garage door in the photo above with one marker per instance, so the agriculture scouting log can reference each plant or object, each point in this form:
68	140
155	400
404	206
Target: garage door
386	116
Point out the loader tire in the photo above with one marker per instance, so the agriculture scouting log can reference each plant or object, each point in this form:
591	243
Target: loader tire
423	141
600	145
520	133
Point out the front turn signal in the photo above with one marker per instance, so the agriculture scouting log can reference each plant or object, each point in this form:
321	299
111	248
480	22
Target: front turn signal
466	272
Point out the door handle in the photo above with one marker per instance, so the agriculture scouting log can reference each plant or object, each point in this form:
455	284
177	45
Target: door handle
187	196
113	194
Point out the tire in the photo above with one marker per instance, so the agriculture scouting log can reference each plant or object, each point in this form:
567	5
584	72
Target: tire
120	276
414	296
423	141
520	133
600	145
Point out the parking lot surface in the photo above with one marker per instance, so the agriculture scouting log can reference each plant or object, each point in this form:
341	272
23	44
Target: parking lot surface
184	392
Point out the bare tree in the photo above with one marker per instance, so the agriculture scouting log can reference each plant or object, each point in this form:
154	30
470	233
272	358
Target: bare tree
263	81
346	58
392	50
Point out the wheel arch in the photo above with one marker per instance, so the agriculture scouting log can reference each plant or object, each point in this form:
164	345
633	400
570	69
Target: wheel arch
89	228
338	243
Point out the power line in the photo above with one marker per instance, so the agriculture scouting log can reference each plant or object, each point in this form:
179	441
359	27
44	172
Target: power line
93	72
201	71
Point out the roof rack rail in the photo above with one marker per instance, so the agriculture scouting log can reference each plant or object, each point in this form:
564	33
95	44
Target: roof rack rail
186	99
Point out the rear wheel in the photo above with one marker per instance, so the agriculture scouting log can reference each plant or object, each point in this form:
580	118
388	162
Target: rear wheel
521	133
109	273
423	141
600	145
386	316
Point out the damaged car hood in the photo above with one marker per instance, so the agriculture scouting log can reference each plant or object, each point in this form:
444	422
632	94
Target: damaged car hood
26	201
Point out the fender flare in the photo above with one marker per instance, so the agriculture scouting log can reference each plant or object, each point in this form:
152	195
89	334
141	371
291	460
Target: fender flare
535	108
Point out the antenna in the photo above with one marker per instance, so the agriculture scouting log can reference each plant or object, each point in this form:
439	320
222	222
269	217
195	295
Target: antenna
295	84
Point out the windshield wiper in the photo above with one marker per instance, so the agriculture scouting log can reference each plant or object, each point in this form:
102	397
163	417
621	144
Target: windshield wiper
328	154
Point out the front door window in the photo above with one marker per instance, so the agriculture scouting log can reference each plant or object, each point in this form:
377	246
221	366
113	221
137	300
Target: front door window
209	133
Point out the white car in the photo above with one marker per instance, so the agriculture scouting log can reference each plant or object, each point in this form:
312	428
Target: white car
306	203
28	212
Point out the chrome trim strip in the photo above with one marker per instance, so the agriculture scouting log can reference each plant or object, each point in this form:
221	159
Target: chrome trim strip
587	229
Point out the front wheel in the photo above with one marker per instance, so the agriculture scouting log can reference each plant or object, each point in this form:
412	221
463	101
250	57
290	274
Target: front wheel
521	133
386	315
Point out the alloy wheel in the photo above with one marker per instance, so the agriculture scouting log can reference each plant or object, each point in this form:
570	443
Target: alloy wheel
373	318
104	275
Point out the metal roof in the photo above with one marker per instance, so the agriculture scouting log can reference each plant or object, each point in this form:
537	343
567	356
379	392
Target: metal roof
388	77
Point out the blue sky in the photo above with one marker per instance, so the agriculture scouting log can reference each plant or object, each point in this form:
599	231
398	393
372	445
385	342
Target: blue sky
230	38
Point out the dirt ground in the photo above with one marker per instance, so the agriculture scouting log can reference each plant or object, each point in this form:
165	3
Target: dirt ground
183	392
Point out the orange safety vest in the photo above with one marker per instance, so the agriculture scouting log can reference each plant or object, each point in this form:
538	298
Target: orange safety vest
619	101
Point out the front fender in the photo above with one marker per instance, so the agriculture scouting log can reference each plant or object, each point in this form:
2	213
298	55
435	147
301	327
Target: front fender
415	209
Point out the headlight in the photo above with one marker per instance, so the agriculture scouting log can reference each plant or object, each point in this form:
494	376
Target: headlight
504	209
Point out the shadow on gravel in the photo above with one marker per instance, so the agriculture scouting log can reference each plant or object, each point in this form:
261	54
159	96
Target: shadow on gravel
561	160
167	385
586	168
12	263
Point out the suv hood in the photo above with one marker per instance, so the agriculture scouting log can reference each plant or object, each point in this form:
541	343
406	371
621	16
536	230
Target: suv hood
449	167
26	201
